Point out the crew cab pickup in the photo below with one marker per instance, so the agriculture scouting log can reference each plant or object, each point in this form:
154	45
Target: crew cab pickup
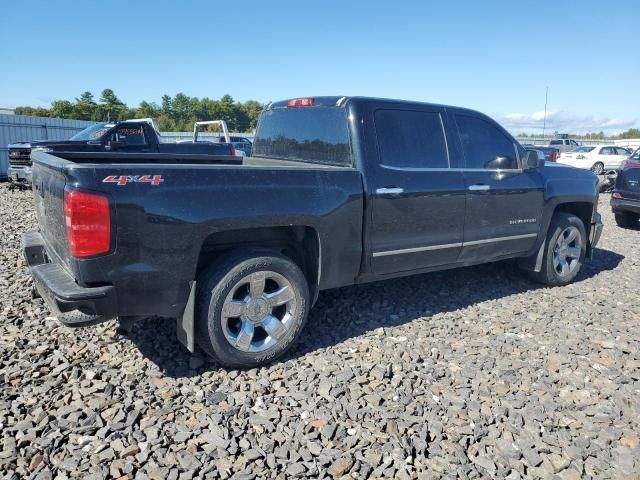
564	144
339	191
131	136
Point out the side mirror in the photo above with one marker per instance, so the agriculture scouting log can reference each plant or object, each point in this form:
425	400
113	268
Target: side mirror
534	160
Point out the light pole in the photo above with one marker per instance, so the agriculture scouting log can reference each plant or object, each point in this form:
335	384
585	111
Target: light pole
544	119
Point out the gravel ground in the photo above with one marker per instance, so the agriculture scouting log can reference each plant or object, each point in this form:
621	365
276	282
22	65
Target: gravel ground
469	373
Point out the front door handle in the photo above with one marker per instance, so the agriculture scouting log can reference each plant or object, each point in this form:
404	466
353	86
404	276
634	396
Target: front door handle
479	188
390	191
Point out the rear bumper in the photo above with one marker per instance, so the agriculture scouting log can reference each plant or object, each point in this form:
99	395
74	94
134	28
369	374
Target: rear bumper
77	306
625	205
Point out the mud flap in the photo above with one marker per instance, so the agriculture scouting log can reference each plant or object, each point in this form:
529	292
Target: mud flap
184	324
533	262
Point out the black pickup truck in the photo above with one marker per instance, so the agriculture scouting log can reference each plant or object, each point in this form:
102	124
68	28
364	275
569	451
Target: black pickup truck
127	137
338	191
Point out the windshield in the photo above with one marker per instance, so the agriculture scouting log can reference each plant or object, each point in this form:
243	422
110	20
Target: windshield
94	132
584	149
312	134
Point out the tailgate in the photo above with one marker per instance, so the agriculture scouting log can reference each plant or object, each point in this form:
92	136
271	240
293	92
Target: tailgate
48	189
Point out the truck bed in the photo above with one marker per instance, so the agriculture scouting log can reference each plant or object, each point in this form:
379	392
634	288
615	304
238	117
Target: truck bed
163	227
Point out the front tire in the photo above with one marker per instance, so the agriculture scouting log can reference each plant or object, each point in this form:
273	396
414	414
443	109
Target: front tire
565	248
250	308
626	219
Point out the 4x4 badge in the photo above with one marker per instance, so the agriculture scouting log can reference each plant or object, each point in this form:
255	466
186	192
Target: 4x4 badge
121	180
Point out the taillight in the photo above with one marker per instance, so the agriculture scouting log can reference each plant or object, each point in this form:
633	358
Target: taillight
554	156
233	151
617	195
88	223
300	102
630	164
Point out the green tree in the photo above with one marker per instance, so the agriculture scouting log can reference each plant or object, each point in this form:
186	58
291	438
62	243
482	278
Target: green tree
167	106
62	109
251	110
86	108
173	114
33	111
147	110
111	107
631	133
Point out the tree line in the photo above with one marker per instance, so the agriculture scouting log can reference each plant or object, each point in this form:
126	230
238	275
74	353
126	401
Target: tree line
631	133
173	114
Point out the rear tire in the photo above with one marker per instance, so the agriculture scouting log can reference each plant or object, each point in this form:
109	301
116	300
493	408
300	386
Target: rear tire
565	248
598	168
250	308
626	219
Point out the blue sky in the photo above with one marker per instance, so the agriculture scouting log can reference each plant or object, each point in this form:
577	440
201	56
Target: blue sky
494	56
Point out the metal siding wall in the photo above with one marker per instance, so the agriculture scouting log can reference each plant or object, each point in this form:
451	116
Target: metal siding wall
23	128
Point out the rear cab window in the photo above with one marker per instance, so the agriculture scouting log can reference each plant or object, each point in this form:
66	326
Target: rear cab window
315	134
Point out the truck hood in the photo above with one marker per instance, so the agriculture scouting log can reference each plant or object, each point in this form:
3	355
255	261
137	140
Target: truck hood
553	170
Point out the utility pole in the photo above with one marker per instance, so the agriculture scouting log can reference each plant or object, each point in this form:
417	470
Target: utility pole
544	120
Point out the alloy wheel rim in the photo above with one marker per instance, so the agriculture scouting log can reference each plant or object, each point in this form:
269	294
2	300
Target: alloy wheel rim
567	251
258	312
598	168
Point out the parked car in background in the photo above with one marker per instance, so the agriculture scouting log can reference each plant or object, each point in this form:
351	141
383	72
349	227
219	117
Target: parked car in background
564	144
597	158
338	191
551	154
135	136
625	198
243	144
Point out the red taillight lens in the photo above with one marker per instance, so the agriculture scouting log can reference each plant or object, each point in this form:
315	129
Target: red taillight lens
630	164
300	102
88	223
554	156
617	195
233	151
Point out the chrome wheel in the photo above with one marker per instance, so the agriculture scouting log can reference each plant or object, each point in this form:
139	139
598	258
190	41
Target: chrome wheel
258	311
567	251
598	168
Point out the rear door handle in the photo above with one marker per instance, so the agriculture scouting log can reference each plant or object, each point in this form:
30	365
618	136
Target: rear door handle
390	191
479	188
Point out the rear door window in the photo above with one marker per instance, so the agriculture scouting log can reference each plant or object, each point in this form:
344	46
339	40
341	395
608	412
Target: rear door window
485	146
411	139
311	134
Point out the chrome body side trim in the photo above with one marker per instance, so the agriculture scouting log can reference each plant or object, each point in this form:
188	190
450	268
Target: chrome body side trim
452	245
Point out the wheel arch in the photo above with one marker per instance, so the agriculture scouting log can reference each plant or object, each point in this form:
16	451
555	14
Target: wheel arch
300	243
580	207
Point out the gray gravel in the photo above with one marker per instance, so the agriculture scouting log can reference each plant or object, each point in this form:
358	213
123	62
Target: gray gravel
469	373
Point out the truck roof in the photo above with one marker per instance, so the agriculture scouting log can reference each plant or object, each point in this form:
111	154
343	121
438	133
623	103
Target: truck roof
342	101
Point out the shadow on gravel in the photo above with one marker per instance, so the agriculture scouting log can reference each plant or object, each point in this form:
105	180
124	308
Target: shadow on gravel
349	312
